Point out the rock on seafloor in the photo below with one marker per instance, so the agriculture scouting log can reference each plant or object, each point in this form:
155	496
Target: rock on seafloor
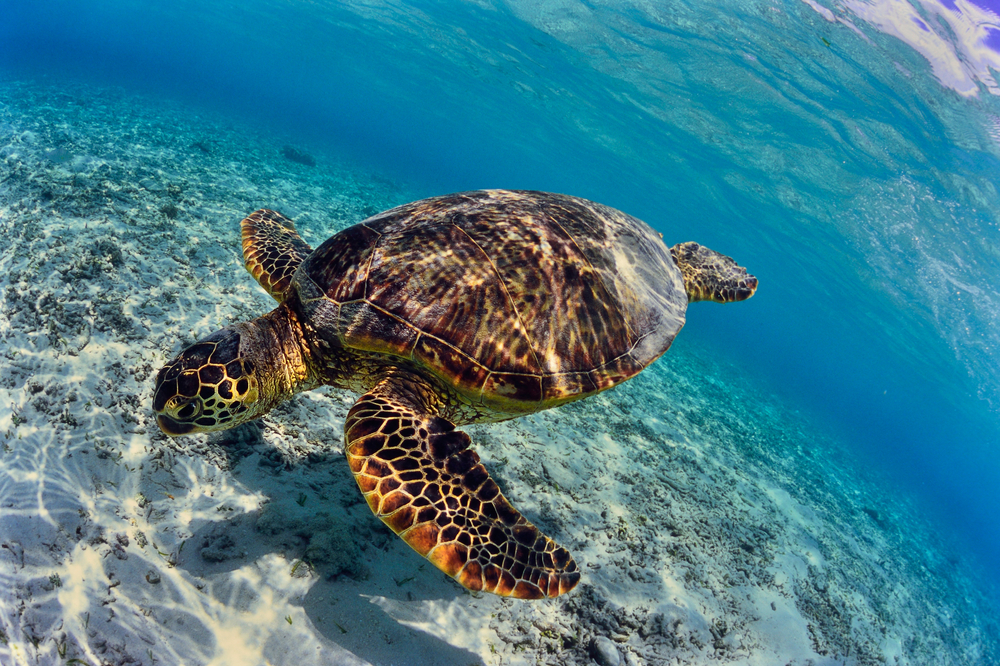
604	652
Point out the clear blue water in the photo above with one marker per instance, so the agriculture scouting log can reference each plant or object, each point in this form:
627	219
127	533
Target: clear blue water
846	161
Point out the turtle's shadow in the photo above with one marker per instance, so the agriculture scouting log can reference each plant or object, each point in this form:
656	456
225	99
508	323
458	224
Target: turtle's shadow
317	520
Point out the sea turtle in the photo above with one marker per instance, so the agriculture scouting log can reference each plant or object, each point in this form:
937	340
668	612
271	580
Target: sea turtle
472	307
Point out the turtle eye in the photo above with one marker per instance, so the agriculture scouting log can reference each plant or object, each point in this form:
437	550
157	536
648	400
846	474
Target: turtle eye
187	411
184	409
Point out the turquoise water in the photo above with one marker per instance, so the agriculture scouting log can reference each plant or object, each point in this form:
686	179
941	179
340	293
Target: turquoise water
846	153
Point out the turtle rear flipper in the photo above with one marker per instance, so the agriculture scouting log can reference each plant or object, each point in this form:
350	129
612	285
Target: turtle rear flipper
272	250
422	479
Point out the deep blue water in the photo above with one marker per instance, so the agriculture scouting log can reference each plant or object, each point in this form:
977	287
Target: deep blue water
853	174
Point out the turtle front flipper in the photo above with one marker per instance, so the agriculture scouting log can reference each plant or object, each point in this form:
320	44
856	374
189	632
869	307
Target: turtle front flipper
422	479
272	250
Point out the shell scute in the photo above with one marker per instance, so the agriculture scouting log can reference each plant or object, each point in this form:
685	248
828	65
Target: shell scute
514	387
340	265
616	371
436	354
364	326
438	279
567	385
571	320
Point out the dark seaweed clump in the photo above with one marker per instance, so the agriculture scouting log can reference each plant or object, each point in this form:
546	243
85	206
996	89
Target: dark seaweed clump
108	249
296	155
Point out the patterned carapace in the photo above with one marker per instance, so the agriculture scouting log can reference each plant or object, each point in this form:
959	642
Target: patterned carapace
519	299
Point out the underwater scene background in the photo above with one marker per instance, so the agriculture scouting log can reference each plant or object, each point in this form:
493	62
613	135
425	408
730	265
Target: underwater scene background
808	477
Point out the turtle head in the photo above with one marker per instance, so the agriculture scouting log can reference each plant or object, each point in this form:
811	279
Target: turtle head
212	385
711	276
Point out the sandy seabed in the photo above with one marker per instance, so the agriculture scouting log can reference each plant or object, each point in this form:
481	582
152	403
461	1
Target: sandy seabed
712	523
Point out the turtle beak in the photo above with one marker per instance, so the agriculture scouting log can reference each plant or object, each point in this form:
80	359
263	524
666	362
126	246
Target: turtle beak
172	427
747	288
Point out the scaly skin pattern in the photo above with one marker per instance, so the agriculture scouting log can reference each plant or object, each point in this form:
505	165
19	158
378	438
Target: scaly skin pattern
420	477
234	375
468	308
710	276
272	250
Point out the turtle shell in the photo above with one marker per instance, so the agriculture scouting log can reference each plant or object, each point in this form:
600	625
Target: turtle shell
520	300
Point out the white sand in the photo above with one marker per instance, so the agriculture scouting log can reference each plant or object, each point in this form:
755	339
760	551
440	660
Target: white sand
711	523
